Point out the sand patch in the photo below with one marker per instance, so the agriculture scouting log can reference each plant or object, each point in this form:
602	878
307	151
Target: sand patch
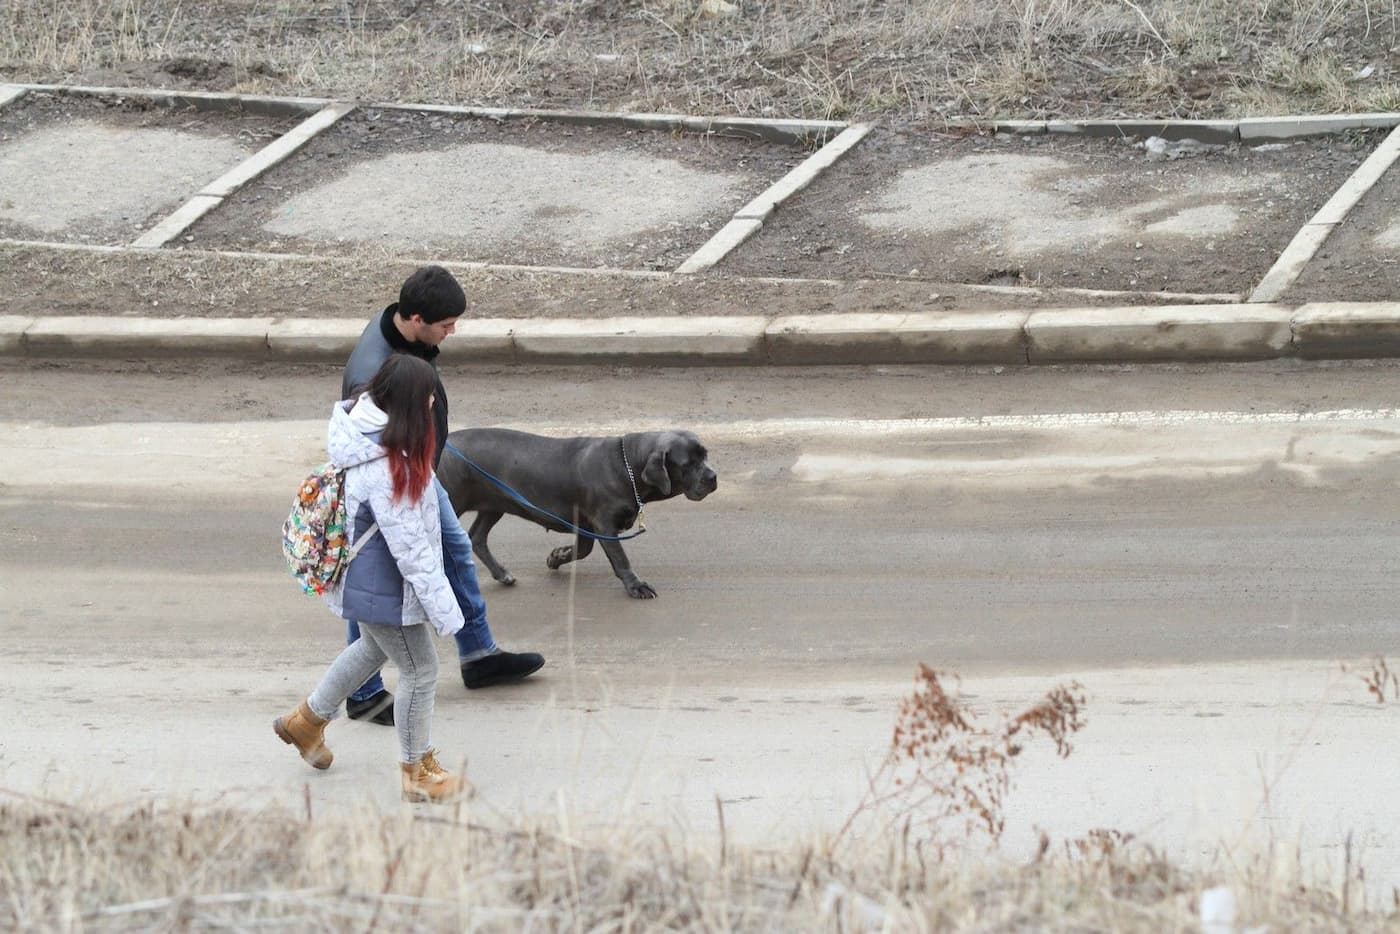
492	195
62	176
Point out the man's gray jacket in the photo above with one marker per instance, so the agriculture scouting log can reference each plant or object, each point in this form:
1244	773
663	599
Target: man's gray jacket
381	340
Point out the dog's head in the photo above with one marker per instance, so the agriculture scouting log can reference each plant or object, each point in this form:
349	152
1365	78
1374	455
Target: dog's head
676	464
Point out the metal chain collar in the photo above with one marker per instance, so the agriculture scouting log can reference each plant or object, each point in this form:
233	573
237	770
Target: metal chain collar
622	443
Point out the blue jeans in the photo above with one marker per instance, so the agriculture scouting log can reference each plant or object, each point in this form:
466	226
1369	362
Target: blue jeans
474	639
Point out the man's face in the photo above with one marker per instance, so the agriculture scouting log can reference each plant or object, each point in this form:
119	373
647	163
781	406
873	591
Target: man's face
432	334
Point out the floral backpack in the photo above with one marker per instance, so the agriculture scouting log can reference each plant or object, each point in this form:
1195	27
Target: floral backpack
314	539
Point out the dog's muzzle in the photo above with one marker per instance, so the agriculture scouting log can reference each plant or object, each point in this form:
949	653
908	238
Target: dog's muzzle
705	484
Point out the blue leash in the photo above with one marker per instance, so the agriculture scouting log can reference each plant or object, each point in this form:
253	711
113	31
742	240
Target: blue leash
515	495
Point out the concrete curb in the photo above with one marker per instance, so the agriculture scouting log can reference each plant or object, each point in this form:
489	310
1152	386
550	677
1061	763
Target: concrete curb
140	337
786	131
777	130
1198	332
213	194
750	218
1339	330
954	337
261	104
10	93
1248	130
12	329
1143	333
1308	240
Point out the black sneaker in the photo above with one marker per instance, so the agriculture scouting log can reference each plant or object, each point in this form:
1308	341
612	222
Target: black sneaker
500	668
377	708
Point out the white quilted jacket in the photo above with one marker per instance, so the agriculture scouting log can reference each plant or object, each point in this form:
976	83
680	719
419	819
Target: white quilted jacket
397	578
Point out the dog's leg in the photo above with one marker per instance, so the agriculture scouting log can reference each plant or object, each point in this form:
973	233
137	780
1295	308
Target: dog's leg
636	587
580	549
481	527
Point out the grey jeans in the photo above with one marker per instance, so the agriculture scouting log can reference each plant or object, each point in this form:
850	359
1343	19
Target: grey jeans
413	653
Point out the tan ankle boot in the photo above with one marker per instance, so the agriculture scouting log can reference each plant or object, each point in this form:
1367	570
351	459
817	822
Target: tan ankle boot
425	780
306	731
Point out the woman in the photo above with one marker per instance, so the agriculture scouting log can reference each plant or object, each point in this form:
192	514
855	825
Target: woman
395	584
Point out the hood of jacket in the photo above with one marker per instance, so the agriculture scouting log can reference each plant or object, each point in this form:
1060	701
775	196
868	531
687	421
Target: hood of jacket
353	436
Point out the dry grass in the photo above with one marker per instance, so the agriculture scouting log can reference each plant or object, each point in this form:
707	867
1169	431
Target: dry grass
192	868
907	61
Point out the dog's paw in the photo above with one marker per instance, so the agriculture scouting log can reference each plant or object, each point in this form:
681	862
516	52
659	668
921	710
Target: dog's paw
641	590
560	557
506	578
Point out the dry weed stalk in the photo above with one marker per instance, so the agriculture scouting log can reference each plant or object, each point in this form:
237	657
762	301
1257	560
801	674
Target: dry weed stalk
1382	683
945	767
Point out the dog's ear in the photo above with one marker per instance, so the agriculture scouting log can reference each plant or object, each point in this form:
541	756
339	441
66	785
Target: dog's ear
655	473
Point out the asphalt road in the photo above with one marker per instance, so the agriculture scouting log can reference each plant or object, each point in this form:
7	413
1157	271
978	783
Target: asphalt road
1201	547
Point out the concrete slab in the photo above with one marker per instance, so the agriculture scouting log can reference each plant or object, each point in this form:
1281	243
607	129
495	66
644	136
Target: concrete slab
1347	330
87	171
459	187
12	328
9	93
642	340
985	337
562	199
1183	332
1049	211
145	337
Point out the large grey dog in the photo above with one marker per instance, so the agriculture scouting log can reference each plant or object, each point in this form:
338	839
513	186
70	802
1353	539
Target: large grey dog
595	483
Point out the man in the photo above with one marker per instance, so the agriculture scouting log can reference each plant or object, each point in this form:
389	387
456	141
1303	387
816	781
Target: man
430	302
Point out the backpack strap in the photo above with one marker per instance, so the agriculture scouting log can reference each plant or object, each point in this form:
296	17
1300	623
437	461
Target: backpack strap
360	542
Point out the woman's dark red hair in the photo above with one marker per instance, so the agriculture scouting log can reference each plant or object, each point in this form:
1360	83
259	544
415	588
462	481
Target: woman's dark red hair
402	388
